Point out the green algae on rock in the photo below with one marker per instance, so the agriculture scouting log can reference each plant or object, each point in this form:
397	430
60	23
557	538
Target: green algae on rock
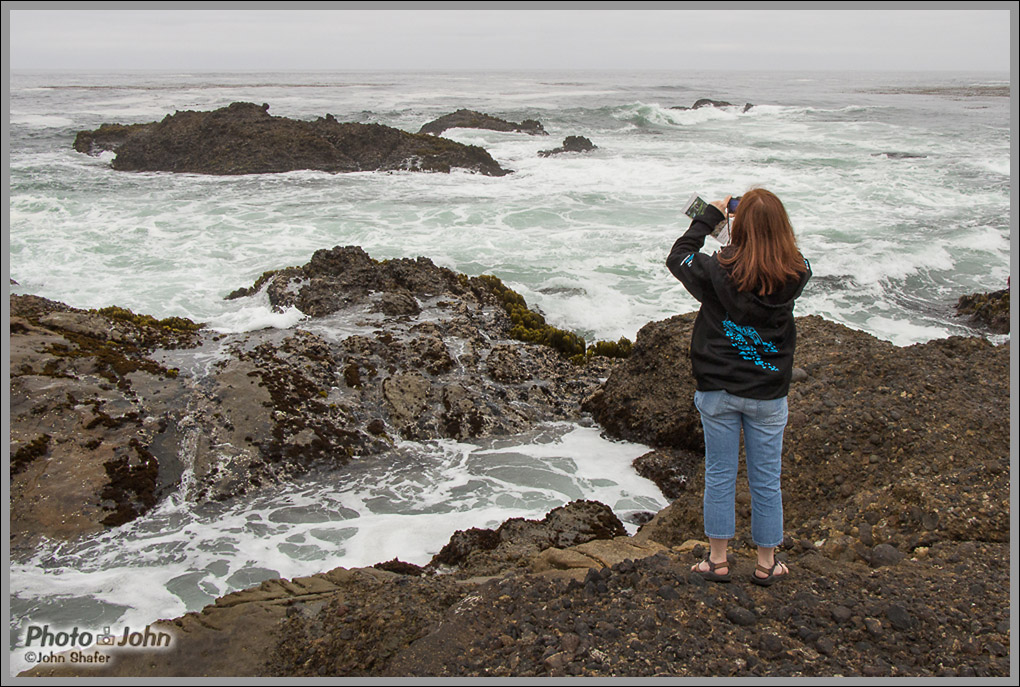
987	310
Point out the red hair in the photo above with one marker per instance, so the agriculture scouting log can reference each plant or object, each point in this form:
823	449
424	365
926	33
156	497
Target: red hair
762	252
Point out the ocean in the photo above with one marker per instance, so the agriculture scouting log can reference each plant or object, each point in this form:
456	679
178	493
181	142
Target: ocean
897	185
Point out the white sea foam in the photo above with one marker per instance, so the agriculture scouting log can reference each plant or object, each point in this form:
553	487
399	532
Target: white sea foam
255	312
253	317
39	121
652	113
1001	167
405	504
905	333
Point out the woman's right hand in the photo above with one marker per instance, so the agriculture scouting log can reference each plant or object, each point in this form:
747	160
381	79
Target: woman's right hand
722	204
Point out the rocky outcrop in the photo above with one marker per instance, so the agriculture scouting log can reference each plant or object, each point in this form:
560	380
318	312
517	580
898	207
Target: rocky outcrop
93	442
243	138
896	498
708	102
469	119
571	144
657	413
899	555
109	408
899	446
672	470
107	137
986	310
480	552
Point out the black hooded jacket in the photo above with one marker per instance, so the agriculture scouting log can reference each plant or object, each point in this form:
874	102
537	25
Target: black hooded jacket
742	343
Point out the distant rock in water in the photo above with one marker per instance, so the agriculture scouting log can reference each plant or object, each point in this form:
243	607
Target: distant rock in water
243	138
987	310
571	144
469	119
708	102
892	155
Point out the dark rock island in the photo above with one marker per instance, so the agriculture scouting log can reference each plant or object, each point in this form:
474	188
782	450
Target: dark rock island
243	138
896	487
708	102
469	119
571	144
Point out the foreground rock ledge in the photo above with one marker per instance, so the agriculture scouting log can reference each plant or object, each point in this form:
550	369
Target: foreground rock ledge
622	606
243	138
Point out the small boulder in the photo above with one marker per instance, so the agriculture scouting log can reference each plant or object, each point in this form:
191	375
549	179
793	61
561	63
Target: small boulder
885	554
738	615
571	144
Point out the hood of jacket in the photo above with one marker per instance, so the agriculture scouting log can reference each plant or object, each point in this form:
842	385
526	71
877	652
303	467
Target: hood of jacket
747	307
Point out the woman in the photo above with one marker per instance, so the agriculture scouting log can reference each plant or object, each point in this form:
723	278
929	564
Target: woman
742	358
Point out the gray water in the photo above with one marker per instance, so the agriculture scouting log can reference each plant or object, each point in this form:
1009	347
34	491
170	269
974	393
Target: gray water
894	241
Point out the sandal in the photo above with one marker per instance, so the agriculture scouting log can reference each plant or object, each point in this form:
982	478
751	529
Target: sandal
711	575
770	572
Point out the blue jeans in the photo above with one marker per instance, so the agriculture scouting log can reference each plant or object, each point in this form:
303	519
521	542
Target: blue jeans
722	416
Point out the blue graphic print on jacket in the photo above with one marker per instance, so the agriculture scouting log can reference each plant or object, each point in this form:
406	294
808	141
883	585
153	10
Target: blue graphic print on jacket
744	339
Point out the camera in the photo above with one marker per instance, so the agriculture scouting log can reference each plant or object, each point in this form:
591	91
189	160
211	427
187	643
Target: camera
696	206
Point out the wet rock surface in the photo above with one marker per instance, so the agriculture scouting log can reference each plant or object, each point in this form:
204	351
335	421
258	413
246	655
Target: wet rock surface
986	310
109	408
470	119
243	138
91	425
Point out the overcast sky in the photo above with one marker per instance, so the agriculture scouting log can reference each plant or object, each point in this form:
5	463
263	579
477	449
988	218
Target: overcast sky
439	39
